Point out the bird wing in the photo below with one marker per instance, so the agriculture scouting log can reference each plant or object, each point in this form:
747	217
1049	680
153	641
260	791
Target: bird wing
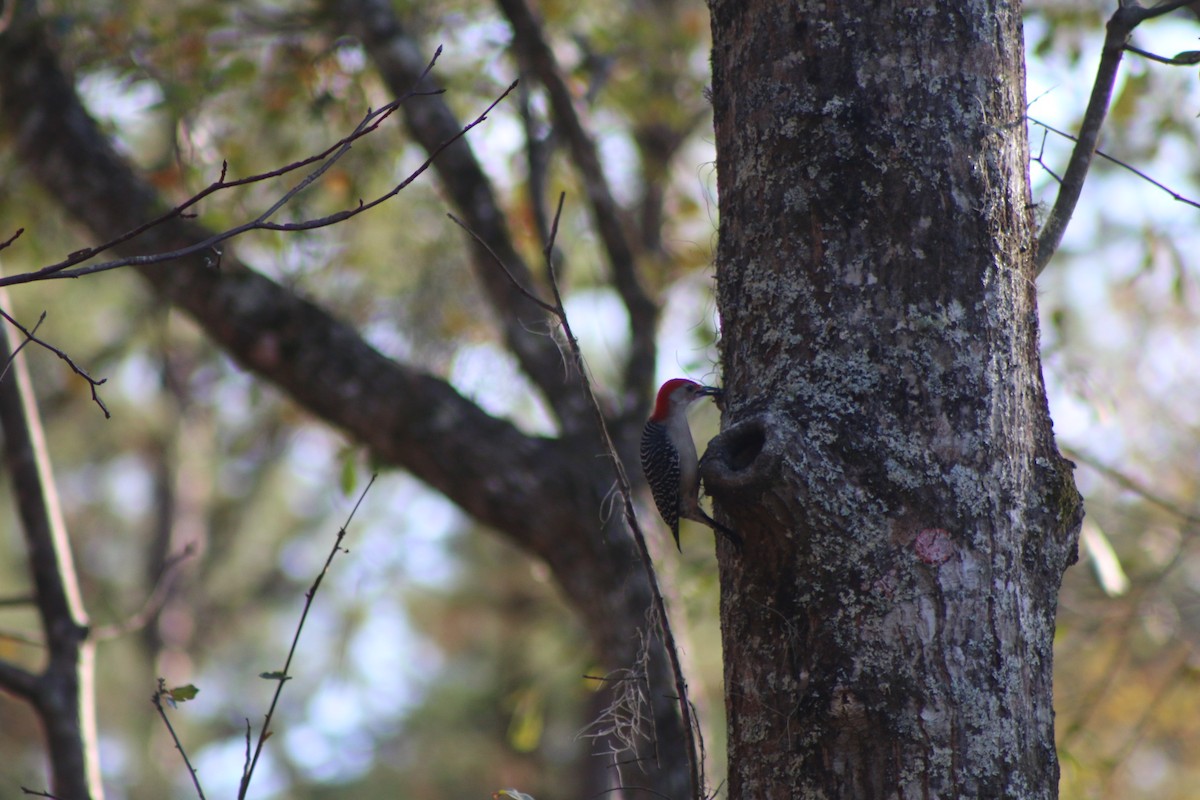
660	463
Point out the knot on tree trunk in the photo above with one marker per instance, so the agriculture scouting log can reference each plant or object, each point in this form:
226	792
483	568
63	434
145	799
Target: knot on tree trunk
743	459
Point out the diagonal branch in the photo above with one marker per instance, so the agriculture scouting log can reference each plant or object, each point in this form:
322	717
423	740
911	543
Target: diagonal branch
1176	196
402	415
325	159
156	699
260	223
606	214
17	681
1127	17
658	611
31	336
397	57
283	676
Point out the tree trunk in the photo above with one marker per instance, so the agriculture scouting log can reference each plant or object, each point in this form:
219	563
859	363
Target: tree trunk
887	452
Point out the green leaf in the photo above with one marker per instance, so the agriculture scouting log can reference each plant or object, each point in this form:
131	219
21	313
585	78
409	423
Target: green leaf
349	477
181	694
275	676
528	721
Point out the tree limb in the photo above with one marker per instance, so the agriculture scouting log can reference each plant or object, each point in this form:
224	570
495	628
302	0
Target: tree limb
404	416
397	57
625	490
1127	17
606	215
17	681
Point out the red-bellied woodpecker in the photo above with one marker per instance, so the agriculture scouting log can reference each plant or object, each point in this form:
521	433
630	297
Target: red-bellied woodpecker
669	457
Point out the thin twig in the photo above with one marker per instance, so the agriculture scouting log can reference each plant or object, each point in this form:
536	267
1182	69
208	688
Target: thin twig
246	760
1174	194
659	606
1181	60
695	769
8	242
370	122
539	302
282	676
63	269
153	604
30	337
156	698
1040	158
1126	482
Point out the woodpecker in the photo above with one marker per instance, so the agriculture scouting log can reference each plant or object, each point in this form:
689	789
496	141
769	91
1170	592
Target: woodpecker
669	457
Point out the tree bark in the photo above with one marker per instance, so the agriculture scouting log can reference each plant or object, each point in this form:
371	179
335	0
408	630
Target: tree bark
887	451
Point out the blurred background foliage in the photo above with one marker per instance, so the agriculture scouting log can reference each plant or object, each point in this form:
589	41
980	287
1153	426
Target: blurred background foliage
438	661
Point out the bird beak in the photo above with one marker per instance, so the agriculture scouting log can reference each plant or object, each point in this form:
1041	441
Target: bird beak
712	391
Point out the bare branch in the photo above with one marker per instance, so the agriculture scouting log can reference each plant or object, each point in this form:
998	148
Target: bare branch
36	793
1185	59
17	681
1124	165
540	302
1132	485
30	337
8	242
659	606
156	699
396	54
282	676
643	311
1040	158
1161	8
261	222
370	122
153	604
1127	17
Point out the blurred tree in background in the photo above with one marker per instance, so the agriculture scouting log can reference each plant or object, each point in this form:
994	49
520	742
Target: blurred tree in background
441	659
1119	348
